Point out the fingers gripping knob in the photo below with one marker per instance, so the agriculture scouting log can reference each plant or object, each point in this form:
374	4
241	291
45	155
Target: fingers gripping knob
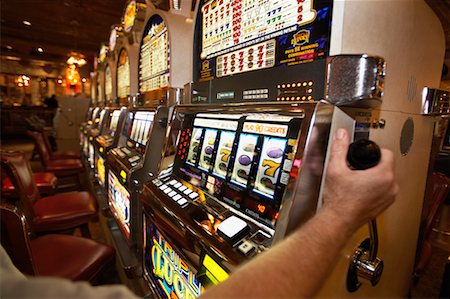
363	154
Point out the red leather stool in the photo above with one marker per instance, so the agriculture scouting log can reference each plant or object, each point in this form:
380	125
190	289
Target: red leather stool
58	155
53	213
64	167
440	187
46	182
63	256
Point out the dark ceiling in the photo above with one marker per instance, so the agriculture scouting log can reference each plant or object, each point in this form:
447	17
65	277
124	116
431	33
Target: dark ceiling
57	26
61	26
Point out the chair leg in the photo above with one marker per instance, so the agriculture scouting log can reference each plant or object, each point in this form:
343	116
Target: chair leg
84	229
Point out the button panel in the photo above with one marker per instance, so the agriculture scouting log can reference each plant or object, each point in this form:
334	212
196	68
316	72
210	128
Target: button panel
178	192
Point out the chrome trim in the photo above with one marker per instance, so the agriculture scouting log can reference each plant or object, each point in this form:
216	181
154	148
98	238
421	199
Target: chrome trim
355	80
435	101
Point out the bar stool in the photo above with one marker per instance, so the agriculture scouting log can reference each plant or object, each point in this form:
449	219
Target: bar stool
46	182
58	155
440	188
62	167
63	256
52	213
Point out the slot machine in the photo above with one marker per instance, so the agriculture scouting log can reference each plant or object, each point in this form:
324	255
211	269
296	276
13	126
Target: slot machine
95	130
128	167
272	81
85	123
92	123
105	141
156	83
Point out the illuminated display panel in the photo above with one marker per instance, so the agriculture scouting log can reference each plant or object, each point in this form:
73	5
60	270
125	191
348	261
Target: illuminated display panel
102	116
119	202
129	16
114	120
228	23
103	53
108	84
99	93
235	36
123	75
92	92
167	268
140	130
91	154
101	170
154	56
244	161
113	39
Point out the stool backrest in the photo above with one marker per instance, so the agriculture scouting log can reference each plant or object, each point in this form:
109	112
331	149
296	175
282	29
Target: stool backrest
18	169
40	145
441	187
15	238
47	141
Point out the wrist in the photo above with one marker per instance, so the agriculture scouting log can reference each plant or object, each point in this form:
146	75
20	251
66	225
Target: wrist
342	222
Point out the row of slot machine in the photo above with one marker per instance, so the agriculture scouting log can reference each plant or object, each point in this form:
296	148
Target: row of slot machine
196	185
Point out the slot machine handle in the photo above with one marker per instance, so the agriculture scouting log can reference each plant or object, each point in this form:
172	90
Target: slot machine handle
363	154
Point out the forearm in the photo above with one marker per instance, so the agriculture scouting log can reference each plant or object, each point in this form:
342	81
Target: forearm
294	268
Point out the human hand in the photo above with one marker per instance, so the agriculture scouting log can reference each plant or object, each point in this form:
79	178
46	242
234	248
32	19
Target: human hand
357	196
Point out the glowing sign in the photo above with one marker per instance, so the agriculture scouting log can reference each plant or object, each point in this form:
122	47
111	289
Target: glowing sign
266	129
174	275
113	39
103	52
129	16
101	169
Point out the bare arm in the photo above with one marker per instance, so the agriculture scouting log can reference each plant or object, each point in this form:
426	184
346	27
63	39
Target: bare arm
297	266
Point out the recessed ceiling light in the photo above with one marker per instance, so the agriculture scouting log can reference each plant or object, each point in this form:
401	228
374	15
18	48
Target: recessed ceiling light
40	50
28	23
9	47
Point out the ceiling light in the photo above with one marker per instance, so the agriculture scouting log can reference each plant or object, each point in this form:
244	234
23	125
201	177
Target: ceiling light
12	58
9	47
28	23
76	59
40	50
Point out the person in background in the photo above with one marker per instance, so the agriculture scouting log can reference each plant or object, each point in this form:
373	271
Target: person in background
294	268
51	102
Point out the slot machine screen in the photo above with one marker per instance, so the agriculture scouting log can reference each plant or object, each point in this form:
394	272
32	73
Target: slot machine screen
114	120
169	270
102	116
94	115
140	130
119	201
243	161
127	124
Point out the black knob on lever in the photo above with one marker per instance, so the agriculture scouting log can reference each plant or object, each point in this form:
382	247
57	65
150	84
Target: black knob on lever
363	154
